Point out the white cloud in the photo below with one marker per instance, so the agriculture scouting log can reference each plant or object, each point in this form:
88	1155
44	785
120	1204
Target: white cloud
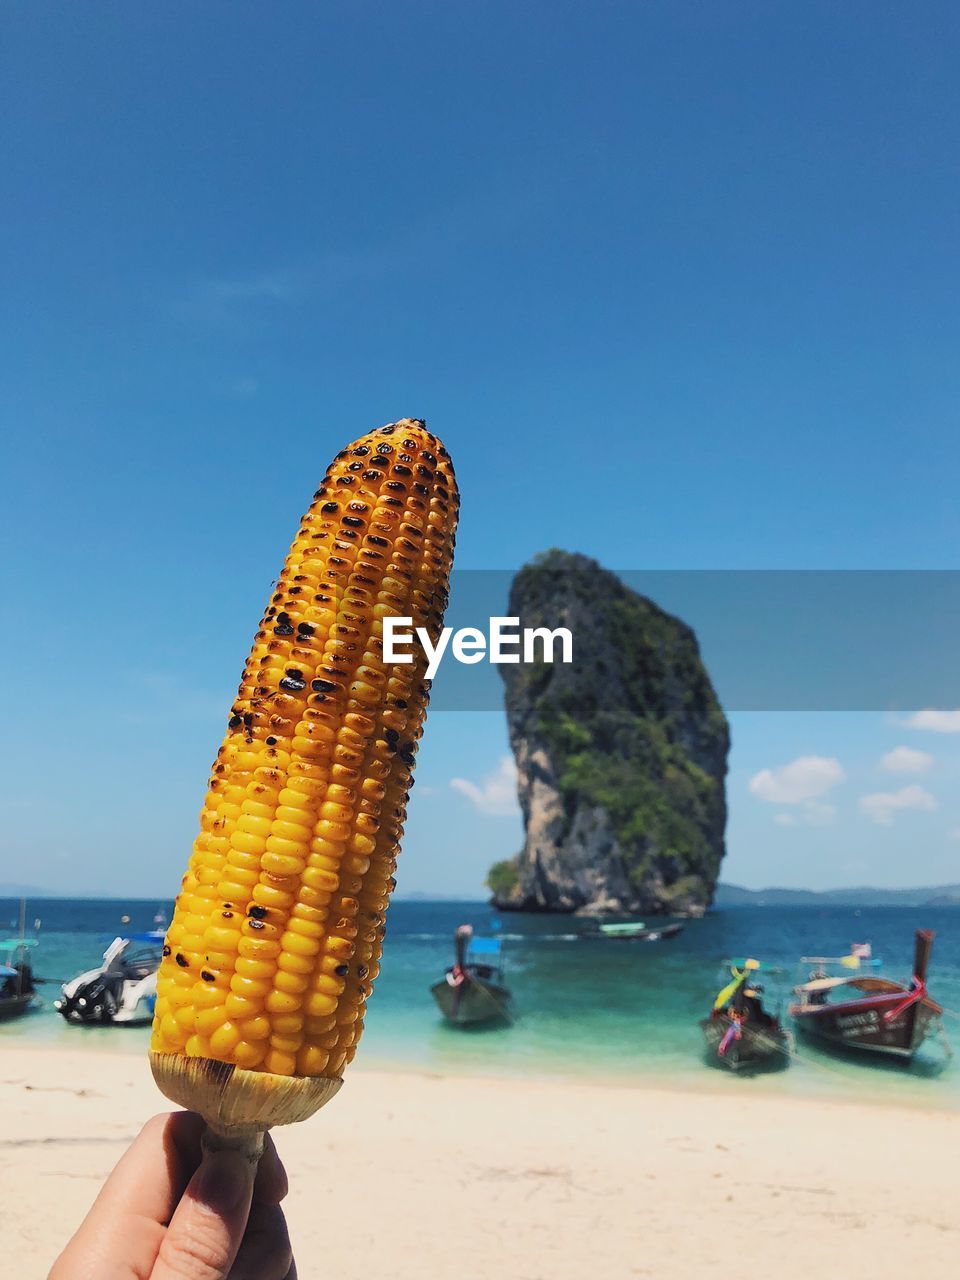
819	815
882	805
497	793
936	721
798	782
906	760
813	813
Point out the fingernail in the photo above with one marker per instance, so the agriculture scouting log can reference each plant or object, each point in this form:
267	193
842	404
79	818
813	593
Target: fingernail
224	1180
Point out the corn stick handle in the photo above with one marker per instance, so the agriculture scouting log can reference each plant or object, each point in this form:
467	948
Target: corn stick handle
248	1142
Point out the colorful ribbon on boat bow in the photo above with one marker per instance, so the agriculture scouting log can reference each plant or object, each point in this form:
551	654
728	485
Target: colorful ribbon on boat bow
733	1032
739	977
918	993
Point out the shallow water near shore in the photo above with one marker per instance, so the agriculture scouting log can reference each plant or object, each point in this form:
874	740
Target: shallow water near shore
603	1010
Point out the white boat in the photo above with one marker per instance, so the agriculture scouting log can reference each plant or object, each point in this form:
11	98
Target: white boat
122	991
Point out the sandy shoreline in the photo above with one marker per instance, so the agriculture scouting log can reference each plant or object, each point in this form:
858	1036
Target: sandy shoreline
437	1177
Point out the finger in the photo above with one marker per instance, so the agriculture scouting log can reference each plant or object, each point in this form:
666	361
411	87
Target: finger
265	1252
271	1184
208	1224
125	1225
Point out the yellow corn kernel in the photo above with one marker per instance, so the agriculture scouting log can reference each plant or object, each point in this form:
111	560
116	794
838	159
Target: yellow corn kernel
257	1028
223	1040
249	1053
277	932
280	1064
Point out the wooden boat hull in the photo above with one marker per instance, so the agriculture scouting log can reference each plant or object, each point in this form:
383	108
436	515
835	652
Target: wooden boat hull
13	1006
472	1002
866	1024
754	1047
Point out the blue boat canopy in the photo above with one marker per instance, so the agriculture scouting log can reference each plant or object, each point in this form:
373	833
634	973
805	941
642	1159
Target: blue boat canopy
12	944
485	946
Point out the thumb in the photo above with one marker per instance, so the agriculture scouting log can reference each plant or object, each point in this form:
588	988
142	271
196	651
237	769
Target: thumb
208	1224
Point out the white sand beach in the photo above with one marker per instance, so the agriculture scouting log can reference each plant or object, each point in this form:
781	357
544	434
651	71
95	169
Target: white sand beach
422	1177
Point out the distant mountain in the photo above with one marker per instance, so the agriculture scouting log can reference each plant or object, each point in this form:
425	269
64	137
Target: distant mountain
734	895
420	895
11	889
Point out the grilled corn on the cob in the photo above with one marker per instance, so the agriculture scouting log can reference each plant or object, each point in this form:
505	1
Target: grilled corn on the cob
276	937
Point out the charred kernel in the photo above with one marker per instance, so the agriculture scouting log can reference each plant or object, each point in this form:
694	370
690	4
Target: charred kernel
361	451
227	915
207	976
283	629
166	950
182	960
258	913
292	684
235	722
342	970
400	470
344	480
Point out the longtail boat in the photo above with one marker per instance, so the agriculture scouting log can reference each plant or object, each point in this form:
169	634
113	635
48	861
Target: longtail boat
17	990
633	931
472	990
739	1031
866	1011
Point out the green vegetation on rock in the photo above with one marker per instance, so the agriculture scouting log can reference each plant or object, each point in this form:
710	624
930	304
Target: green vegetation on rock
503	878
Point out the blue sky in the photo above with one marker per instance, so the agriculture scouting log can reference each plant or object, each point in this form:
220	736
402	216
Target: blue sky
676	283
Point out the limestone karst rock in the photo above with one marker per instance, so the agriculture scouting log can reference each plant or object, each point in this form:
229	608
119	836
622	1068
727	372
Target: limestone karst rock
621	755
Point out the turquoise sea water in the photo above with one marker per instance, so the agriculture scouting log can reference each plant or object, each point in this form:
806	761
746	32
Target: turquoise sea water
605	1010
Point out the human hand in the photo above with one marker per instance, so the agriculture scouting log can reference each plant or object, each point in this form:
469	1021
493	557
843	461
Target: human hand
170	1211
